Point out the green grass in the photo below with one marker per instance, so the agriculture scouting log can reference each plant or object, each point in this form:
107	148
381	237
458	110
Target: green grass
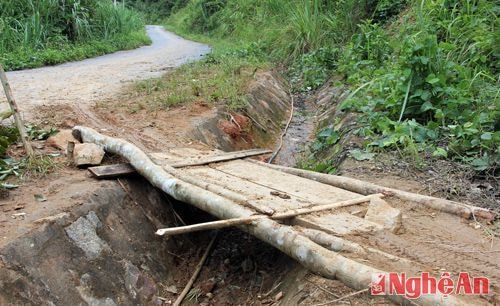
423	73
433	83
23	58
45	32
221	78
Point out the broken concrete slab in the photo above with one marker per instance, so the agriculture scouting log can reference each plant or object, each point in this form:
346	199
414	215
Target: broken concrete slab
382	213
87	154
60	140
84	235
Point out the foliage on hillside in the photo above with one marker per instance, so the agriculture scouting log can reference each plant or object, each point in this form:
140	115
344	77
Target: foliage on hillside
423	73
40	32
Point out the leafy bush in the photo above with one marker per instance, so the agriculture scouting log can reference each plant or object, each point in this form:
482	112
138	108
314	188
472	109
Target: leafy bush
311	70
437	86
424	73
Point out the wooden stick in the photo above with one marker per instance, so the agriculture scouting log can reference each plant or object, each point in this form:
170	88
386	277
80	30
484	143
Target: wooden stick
247	220
15	110
196	272
362	187
284	131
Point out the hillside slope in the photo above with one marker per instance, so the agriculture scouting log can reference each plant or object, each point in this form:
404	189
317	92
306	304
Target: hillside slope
422	73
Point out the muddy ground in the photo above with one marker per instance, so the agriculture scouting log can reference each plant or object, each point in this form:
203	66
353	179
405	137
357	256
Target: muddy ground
241	270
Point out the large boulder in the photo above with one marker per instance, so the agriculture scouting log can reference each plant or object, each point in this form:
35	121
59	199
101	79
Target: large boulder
382	213
60	140
87	154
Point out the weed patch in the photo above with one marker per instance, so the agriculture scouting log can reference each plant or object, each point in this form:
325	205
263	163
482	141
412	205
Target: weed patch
218	79
47	32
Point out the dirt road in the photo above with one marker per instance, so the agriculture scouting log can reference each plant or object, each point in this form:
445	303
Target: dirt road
81	84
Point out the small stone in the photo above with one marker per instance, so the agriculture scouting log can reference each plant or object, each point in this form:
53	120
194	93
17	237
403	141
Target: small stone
382	213
86	154
61	139
40	197
172	289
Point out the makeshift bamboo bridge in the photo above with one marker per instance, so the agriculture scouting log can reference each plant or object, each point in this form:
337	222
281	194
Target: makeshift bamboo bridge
337	227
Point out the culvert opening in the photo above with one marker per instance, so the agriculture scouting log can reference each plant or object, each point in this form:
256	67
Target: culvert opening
240	269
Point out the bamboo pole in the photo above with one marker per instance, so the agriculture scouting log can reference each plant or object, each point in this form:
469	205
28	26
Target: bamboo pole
246	220
362	187
314	257
196	272
15	111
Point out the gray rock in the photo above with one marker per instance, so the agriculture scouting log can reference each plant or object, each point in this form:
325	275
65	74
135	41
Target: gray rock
86	154
83	233
382	213
132	274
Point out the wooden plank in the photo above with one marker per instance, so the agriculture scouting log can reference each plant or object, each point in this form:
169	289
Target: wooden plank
227	156
257	195
110	171
309	190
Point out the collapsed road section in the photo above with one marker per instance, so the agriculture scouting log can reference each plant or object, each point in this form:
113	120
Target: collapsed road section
351	233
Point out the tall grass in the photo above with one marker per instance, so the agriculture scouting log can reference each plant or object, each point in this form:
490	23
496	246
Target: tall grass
35	26
284	29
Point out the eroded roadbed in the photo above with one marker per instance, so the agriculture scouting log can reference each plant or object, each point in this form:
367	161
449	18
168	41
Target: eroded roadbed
358	237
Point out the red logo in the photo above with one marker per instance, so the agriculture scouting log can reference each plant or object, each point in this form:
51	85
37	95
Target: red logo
393	283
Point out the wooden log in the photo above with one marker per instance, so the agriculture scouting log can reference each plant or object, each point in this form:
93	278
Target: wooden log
314	257
247	220
219	190
338	244
15	110
362	187
331	242
111	171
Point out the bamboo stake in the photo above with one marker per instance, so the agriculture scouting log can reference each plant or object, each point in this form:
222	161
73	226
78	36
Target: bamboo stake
15	110
196	272
246	220
362	187
314	257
